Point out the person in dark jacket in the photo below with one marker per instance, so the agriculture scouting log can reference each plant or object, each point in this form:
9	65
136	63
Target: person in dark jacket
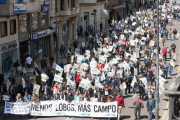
20	88
69	97
43	62
62	51
12	79
102	99
128	81
75	44
51	60
46	88
46	96
1	81
141	89
28	89
15	91
56	96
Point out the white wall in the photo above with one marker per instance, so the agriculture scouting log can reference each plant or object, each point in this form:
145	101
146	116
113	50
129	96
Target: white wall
89	8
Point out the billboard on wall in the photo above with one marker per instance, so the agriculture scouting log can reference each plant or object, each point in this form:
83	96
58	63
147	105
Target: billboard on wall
19	8
105	14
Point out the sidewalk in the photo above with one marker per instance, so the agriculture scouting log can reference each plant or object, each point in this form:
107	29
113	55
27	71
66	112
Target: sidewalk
80	40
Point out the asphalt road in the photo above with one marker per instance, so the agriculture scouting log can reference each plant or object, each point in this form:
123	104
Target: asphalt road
128	111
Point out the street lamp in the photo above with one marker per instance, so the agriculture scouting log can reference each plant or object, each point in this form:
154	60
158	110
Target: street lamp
157	78
94	20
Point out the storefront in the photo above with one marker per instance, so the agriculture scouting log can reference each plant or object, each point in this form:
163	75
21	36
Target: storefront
41	42
9	55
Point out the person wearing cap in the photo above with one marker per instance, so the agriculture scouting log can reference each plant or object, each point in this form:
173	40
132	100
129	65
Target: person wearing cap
120	103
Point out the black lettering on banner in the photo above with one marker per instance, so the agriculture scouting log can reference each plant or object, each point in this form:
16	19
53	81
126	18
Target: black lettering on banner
33	107
109	107
50	108
72	107
113	108
95	106
80	108
64	107
37	108
88	108
60	107
42	107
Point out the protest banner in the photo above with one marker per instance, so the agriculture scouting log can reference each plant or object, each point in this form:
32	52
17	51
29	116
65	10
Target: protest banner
6	97
67	67
36	89
57	67
123	85
23	82
58	78
70	83
171	62
17	108
161	89
133	81
8	84
44	77
85	83
98	84
79	109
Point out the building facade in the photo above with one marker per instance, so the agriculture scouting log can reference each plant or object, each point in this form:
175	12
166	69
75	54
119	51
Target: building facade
67	17
34	35
87	7
9	45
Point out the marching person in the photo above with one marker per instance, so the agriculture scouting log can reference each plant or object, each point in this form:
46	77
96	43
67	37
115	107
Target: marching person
51	60
151	105
138	106
35	99
120	101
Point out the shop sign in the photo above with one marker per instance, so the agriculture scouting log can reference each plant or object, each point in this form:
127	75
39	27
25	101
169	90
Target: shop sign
105	14
19	8
9	45
45	8
46	2
36	36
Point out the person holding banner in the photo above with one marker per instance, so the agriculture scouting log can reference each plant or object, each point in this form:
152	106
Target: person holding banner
19	99
34	99
5	93
56	95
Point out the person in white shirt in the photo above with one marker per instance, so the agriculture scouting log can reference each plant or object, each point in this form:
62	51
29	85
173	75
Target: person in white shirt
29	61
94	98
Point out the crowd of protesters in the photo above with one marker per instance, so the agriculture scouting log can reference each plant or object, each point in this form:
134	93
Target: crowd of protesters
142	33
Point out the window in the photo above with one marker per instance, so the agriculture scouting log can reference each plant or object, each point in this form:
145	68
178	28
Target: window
44	19
62	5
23	23
12	27
34	21
3	29
72	4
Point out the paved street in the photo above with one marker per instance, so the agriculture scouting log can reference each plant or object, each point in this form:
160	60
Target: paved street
128	111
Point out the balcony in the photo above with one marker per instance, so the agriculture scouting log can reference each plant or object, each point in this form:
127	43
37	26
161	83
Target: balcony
12	7
90	1
69	12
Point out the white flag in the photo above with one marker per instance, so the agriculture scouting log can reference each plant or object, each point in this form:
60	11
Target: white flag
44	77
123	85
58	78
8	84
23	83
70	83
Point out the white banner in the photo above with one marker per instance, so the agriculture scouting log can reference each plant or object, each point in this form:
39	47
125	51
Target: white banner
83	109
17	108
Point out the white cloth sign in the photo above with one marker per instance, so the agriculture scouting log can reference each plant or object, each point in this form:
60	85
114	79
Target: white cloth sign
57	67
123	85
6	97
82	109
8	84
17	108
70	83
23	83
58	78
85	83
161	89
98	84
44	77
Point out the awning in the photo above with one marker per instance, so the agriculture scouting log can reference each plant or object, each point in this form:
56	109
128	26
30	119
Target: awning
115	6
